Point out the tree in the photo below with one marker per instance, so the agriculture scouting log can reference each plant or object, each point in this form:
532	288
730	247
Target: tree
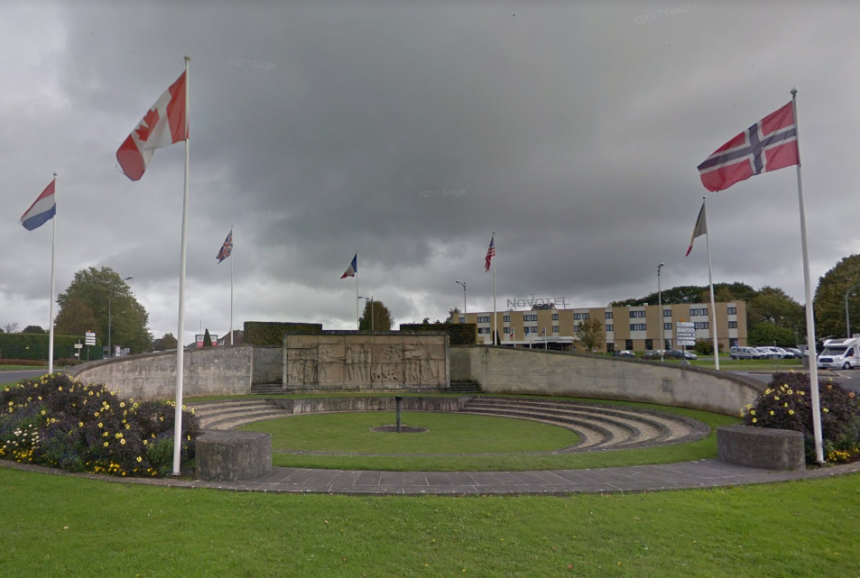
453	316
767	333
591	334
381	321
33	329
166	343
774	306
101	290
829	303
12	327
76	319
207	339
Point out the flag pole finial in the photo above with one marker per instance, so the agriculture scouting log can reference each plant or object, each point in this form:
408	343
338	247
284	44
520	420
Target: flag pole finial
187	58
793	92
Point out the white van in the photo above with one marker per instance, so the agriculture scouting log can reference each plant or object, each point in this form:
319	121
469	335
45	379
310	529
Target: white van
740	352
840	354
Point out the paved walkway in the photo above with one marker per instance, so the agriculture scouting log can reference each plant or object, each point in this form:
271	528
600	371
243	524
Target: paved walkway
683	475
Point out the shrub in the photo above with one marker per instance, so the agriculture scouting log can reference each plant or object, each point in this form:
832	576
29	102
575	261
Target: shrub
262	333
458	333
787	404
60	422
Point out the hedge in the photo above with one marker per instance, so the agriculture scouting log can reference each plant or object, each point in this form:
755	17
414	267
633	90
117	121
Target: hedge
458	333
35	346
263	333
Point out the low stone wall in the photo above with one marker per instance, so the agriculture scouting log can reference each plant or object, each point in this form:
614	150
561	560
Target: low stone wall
233	455
359	404
758	447
208	371
532	371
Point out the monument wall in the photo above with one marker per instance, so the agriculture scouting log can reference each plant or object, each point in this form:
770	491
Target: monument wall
351	361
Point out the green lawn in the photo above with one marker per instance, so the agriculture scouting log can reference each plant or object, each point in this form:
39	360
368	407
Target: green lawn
69	527
448	433
305	426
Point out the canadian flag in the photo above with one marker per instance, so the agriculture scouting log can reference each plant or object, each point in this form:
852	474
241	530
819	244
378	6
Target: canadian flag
164	124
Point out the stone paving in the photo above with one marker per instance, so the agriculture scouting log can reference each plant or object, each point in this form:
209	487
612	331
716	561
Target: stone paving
677	476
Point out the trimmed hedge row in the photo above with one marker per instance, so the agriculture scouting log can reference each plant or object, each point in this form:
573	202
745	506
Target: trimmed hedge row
458	333
263	333
35	346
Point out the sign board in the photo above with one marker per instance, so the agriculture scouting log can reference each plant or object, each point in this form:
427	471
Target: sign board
79	345
685	333
516	303
90	338
200	337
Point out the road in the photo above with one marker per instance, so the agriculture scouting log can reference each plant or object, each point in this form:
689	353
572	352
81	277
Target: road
849	379
18	375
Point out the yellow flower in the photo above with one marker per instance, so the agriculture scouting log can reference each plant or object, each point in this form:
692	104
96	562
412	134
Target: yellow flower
754	420
122	404
791	412
139	459
43	412
106	444
101	424
81	424
145	442
825	410
122	441
776	397
752	412
771	412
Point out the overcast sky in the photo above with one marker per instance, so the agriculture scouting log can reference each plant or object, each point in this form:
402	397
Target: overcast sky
573	130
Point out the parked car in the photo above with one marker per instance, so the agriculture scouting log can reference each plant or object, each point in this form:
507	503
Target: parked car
623	353
798	354
741	352
678	354
768	352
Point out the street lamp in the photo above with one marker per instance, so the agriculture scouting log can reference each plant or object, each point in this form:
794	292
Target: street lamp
110	295
660	309
372	324
847	318
463	283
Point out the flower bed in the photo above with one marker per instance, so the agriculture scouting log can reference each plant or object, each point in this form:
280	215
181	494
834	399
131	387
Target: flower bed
58	421
787	404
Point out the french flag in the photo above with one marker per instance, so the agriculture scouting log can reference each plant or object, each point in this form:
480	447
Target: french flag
42	211
352	269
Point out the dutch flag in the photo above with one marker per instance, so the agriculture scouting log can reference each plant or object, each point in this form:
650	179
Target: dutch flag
42	211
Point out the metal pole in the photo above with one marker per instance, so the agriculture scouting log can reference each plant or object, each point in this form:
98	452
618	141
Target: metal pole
53	250
847	317
180	349
232	258
810	318
372	311
711	283
110	293
397	401
660	307
495	314
464	298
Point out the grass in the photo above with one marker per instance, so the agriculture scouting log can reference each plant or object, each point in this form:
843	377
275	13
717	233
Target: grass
67	527
448	433
701	449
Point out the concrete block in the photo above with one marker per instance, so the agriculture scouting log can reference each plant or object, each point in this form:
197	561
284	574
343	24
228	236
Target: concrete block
758	447
233	455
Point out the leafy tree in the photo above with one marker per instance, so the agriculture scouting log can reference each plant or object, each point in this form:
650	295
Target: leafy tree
33	329
169	341
207	339
101	290
381	321
829	303
75	319
774	306
723	292
767	333
591	334
453	315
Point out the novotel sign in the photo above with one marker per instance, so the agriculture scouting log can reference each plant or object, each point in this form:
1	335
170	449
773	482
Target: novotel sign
517	303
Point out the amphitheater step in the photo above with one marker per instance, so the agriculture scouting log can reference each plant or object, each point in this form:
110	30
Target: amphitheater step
464	387
267	388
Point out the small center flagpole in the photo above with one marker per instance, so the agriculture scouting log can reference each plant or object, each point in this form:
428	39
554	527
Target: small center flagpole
495	314
180	349
53	250
232	258
355	274
810	318
711	283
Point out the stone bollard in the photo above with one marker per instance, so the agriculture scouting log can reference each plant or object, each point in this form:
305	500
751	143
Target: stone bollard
397	401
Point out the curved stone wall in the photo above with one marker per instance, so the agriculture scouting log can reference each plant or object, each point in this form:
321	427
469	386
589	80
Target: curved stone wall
532	371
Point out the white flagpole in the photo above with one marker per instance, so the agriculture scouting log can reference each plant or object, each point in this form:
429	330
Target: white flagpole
357	322
495	314
53	250
180	349
232	258
711	283
810	318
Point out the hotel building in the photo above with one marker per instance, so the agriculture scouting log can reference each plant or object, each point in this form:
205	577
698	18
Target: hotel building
634	328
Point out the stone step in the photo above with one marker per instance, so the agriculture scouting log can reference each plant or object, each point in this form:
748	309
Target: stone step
267	388
209	416
593	435
236	421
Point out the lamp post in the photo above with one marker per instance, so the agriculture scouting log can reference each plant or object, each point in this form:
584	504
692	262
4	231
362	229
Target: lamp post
660	309
370	299
110	295
463	283
847	318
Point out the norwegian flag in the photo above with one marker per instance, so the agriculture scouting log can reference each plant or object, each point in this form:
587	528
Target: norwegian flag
226	248
491	252
768	145
164	124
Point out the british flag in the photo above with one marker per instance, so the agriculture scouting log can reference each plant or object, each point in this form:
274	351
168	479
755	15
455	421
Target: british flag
226	248
768	145
491	252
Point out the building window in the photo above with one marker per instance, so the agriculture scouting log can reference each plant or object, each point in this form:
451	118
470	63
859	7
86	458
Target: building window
529	317
610	347
701	312
649	344
483	330
610	328
584	316
628	344
731	310
733	324
637	327
555	328
507	329
577	316
526	330
534	329
667	327
555	316
701	325
462	319
484	319
667	313
576	328
608	315
668	344
506	318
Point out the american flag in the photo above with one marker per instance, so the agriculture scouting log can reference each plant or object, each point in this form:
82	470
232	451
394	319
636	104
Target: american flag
491	252
226	248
